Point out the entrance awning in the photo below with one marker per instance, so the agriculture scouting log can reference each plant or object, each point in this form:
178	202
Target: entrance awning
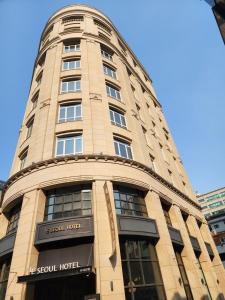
57	274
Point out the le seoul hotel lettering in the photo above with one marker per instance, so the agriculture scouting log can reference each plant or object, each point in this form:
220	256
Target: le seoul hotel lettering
98	204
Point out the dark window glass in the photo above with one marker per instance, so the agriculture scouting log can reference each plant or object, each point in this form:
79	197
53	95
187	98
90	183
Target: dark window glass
13	219
184	276
141	273
166	209
68	202
4	275
129	201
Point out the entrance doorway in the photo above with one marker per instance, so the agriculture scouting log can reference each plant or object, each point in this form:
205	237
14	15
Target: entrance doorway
67	288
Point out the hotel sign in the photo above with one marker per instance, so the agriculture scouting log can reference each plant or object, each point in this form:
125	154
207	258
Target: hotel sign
62	229
59	262
55	268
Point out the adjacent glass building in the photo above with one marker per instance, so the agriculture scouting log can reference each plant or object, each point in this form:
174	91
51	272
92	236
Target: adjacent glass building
98	204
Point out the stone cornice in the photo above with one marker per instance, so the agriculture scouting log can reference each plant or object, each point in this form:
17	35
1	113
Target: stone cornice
100	158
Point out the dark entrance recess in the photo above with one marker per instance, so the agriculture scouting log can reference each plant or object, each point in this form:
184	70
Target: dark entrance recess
68	288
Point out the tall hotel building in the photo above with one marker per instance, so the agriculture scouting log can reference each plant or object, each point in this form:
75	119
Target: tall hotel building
98	205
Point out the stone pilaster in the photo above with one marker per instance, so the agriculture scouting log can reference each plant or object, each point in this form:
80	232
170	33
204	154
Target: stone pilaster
25	254
164	248
109	275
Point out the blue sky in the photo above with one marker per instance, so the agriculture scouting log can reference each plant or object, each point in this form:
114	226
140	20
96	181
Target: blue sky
180	46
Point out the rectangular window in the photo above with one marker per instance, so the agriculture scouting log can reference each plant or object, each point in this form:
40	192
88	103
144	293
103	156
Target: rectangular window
152	159
39	78
166	209
146	136
71	64
70	86
72	48
109	71
23	159
70	112
34	100
129	201
106	54
141	272
29	128
122	149
113	92
117	118
4	275
13	219
69	145
184	277
68	202
216	204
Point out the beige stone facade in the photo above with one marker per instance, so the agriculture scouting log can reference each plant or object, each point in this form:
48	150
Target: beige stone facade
93	126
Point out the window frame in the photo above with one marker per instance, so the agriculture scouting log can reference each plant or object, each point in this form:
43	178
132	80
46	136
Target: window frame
129	201
109	71
68	61
106	55
110	88
132	255
112	112
29	126
76	48
58	198
127	145
67	81
69	137
23	158
66	105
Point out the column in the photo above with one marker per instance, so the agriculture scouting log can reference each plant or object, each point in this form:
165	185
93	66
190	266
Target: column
205	260
109	274
188	255
25	254
216	264
164	248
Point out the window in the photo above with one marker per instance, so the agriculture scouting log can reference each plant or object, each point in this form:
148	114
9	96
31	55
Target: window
102	26
4	275
34	100
145	135
29	128
129	201
201	200
71	19
68	202
13	219
106	53
141	272
70	112
185	217
171	176
23	158
71	64
39	78
72	85
183	276
166	208
162	151
69	145
216	204
113	92
109	71
122	149
117	118
72	47
152	160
